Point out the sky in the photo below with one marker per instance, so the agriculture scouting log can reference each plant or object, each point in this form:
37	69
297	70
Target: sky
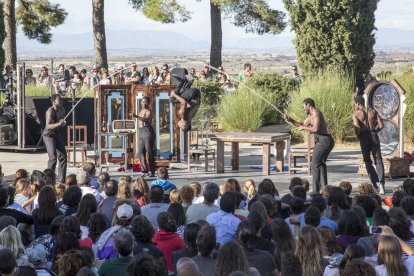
119	15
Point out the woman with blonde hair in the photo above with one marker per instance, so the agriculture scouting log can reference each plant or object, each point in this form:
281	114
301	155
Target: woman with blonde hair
310	251
125	191
10	238
249	187
155	76
390	261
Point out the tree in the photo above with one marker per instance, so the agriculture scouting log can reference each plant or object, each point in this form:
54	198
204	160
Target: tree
98	24
37	17
2	37
334	35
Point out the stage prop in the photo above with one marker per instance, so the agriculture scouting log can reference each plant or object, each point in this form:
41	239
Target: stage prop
115	102
387	98
267	139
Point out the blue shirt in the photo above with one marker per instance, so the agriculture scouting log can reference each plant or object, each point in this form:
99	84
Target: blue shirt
95	183
226	225
324	222
164	183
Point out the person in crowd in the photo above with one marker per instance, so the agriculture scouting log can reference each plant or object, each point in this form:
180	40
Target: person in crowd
408	186
44	79
13	205
89	167
143	232
297	206
97	224
312	216
60	190
144	264
179	216
174	196
193	74
155	76
336	204
23	194
46	212
10	238
70	201
133	76
206	242
103	177
8	263
86	81
71	181
380	218
407	204
145	76
291	266
118	77
50	177
265	187
4	211
124	243
105	80
224	220
347	188
37	257
186	195
247	73
155	206
187	267
259	259
106	205
20	173
283	240
294	181
125	191
358	267
258	221
84	180
70	262
352	252
200	211
198	192
295	74
95	79
162	180
166	238
400	225
87	207
30	80
165	75
310	252
266	232
230	258
249	188
330	246
141	190
349	229
190	250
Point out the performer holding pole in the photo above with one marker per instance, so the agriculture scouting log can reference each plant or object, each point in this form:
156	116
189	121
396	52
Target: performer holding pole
146	137
324	143
52	139
367	122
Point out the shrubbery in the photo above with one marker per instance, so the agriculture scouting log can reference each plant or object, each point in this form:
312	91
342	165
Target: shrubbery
243	110
332	94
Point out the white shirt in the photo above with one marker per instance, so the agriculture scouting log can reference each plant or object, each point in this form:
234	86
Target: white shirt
90	190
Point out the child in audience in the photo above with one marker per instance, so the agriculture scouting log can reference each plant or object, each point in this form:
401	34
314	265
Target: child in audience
162	180
198	195
23	193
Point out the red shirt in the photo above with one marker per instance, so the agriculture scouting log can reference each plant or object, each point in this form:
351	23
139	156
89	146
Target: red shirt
168	242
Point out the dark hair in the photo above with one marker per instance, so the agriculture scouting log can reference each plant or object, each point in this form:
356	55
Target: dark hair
232	185
8	261
266	187
231	257
328	238
228	202
408	186
206	240
246	235
299	191
290	265
4	197
70	262
297	205
70	224
309	101
140	188
358	267
87	207
156	194
124	242
103	177
178	212
349	224
377	199
72	196
55	96
142	229
247	65
97	224
89	167
295	181
71	180
407	203
190	239
381	217
346	187
283	240
352	252
11	191
111	187
359	100
89	256
259	207
257	220
25	271
319	202
210	192
20	173
55	225
337	201
47	210
144	265
85	271
270	204
162	173
400	223
312	216
397	197
36	175
66	241
166	222
367	203
50	177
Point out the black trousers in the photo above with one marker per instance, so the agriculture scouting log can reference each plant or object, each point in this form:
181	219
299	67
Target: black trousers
56	152
146	141
370	144
323	146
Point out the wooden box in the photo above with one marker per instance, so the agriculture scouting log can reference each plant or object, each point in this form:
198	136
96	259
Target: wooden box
393	167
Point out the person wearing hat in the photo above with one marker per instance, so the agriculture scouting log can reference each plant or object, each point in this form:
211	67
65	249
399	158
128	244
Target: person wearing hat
37	257
133	76
84	181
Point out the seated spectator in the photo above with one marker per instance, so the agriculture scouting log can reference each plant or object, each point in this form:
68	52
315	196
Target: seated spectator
44	79
87	207
193	74
179	216
347	188
336	204
140	190
368	204
70	181
10	238
291	266
224	220
97	224
145	264
143	232
266	232
407	204
60	189
312	216
381	218
297	206
124	243
358	267
200	211
8	263
206	242
125	191
84	180
4	211
156	205
265	187
408	186
331	248
37	257
23	194
106	205
46	213
259	223
190	250
187	267
366	188
13	205
352	252
261	260
89	167
249	188
166	238
174	196
186	195
294	181
230	258
70	262
162	180
240	212
349	229
198	192
400	225
319	202
70	201
397	198
362	218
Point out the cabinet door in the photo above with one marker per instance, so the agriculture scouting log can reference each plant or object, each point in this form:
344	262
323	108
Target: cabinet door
164	125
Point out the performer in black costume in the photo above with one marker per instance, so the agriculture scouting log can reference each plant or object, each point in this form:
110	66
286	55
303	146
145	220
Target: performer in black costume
146	137
367	122
52	139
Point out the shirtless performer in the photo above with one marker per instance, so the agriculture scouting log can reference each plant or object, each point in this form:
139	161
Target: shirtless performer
367	123
146	137
324	143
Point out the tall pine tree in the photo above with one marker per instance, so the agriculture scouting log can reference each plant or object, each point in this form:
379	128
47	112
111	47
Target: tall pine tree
334	35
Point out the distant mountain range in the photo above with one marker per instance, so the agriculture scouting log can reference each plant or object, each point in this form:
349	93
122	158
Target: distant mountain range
166	43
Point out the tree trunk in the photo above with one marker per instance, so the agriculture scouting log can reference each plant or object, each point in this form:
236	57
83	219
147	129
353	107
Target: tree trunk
216	36
10	29
98	22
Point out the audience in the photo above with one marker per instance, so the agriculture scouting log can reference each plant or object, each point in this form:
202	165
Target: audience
155	206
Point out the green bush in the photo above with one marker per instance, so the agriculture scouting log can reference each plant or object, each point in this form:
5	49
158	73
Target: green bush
244	110
332	94
42	91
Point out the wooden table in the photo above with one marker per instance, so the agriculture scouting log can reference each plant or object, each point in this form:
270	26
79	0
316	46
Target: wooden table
267	139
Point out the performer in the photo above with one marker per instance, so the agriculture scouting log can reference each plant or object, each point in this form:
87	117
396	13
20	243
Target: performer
367	122
324	143
52	139
146	137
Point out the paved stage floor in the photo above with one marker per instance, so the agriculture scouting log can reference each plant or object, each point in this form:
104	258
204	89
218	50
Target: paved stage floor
342	165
